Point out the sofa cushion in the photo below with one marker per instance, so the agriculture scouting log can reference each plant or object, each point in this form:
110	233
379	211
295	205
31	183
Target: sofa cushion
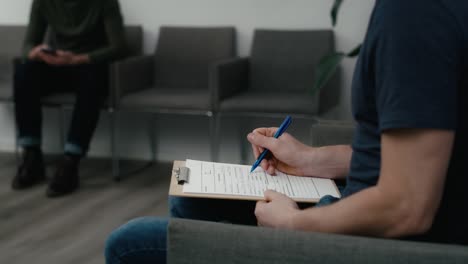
156	99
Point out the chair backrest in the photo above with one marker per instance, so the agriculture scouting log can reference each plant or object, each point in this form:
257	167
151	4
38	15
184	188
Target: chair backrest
184	55
10	47
285	60
12	40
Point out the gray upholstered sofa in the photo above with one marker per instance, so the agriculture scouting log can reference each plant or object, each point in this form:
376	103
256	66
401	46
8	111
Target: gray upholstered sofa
197	242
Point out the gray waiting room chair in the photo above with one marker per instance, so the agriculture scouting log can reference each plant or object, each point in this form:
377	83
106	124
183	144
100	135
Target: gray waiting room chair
176	78
277	79
11	49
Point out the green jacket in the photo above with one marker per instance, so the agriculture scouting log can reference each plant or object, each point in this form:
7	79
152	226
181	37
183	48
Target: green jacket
93	27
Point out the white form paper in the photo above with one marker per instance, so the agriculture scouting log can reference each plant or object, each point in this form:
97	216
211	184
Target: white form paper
233	179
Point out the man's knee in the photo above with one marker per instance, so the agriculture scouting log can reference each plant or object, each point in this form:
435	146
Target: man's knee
178	207
26	73
140	231
195	208
26	68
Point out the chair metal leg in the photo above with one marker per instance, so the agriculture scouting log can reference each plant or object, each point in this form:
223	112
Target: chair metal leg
17	147
152	137
214	134
119	171
113	122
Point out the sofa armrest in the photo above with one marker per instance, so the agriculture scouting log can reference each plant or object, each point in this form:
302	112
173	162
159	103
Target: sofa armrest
197	242
328	132
228	78
130	75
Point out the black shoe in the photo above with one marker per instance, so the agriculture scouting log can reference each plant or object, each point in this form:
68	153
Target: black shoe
65	180
31	171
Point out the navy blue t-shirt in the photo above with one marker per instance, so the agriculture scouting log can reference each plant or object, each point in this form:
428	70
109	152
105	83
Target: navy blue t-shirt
412	73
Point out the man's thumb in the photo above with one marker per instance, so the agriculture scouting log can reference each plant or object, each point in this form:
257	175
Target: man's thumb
271	195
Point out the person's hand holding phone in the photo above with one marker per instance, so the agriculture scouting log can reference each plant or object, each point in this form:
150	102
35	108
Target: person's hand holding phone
36	52
46	54
49	51
57	57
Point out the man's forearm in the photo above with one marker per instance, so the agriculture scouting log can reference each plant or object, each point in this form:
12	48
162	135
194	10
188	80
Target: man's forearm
330	162
371	212
407	196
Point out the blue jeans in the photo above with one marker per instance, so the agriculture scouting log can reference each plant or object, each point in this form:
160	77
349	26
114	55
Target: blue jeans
143	240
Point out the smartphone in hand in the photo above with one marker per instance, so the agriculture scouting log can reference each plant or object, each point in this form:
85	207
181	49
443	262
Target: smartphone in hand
49	51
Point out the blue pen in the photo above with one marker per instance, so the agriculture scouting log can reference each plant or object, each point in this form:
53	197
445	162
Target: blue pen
279	132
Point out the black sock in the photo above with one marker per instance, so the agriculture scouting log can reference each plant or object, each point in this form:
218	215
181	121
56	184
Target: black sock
32	149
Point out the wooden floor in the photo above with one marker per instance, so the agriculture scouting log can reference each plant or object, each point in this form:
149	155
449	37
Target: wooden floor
73	229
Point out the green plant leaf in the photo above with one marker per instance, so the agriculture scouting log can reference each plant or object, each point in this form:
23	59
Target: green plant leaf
334	11
325	70
353	53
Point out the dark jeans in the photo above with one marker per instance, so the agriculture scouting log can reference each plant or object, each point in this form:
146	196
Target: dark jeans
143	240
34	80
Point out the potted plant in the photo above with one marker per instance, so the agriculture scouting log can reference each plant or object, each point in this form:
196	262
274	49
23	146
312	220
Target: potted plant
329	64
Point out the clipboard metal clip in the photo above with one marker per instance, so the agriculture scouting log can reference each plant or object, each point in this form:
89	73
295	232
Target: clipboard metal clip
182	175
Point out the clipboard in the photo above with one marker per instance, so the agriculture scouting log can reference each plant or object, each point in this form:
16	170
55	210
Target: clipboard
176	188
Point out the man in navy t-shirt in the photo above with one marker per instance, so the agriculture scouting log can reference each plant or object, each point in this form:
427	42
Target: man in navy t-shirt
405	171
406	178
410	103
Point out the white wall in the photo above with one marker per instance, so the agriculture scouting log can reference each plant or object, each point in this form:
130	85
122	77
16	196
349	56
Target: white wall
245	15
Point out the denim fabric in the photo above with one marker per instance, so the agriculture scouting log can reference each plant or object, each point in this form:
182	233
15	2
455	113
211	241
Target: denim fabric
25	142
231	211
141	241
73	149
327	200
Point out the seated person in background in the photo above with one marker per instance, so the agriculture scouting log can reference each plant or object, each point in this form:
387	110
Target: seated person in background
406	170
87	36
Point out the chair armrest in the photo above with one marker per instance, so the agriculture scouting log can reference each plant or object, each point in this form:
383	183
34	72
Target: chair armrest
5	68
228	78
130	75
199	242
328	132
